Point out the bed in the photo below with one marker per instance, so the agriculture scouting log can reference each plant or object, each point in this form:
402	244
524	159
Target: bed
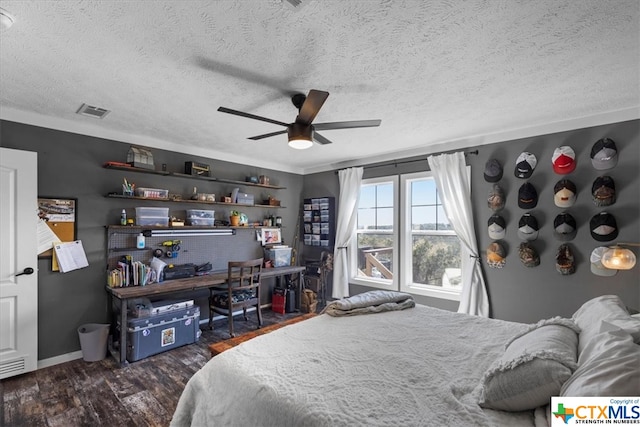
416	366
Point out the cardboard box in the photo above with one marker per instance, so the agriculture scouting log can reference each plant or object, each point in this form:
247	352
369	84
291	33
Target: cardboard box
155	334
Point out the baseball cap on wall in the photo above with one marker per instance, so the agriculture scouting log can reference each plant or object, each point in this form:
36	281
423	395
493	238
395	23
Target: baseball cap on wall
496	255
496	227
564	160
604	154
527	196
564	193
603	191
564	227
493	171
496	198
565	262
525	164
596	263
528	255
603	227
528	227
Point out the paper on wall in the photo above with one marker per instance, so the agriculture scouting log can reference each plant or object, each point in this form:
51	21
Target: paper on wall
70	255
46	237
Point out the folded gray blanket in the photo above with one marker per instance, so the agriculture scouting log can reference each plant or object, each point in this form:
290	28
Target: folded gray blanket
370	302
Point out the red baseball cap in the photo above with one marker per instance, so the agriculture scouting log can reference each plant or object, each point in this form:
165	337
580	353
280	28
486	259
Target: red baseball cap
564	160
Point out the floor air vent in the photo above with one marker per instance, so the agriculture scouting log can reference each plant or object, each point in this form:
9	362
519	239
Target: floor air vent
14	367
91	111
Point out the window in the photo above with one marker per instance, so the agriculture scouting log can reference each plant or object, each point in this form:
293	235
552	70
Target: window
376	234
404	239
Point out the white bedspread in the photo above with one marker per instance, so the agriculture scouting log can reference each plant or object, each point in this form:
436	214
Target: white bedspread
416	367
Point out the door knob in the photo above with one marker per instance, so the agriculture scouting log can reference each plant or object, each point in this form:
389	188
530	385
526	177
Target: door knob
27	270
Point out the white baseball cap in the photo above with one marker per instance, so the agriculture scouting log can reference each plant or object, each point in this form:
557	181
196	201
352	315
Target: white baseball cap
596	263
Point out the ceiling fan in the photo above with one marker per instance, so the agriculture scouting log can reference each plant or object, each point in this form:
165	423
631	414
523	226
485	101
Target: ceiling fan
302	132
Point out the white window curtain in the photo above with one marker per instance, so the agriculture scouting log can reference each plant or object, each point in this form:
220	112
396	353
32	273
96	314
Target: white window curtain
350	181
453	183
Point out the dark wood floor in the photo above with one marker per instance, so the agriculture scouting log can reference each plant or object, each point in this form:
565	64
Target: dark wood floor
145	393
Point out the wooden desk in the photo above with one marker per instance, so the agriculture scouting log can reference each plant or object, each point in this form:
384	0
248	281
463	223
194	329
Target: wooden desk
124	294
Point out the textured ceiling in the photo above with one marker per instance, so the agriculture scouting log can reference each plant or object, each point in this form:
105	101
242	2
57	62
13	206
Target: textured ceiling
440	74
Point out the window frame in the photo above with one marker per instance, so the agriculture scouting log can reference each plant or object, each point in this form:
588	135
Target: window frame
402	243
406	242
386	284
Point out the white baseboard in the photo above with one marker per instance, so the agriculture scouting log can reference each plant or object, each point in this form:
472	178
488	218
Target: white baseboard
45	363
68	357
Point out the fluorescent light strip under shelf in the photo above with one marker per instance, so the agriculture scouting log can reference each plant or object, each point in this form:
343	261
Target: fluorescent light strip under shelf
185	233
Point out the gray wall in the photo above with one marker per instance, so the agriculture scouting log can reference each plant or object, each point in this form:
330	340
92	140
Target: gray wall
528	294
70	165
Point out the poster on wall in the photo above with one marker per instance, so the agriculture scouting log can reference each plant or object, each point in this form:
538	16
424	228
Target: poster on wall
60	215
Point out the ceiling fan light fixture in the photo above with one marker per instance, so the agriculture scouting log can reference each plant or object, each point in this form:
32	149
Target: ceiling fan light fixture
300	144
299	136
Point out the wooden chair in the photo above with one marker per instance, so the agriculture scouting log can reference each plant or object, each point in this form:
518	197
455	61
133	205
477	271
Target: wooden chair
242	290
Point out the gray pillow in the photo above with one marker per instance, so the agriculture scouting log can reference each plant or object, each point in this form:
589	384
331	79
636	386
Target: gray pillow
533	367
609	366
605	307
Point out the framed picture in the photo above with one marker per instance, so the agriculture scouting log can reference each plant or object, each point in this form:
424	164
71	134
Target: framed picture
271	236
60	214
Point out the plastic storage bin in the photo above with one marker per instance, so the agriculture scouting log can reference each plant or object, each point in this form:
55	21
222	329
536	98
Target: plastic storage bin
152	193
280	257
152	216
200	217
154	212
155	334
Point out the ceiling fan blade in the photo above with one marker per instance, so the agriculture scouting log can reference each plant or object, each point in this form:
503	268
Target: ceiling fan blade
347	125
251	116
321	139
311	106
267	135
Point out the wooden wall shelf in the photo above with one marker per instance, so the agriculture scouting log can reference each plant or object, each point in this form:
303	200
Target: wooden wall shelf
200	202
182	175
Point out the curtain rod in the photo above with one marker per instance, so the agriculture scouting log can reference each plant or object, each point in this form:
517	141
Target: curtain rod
402	162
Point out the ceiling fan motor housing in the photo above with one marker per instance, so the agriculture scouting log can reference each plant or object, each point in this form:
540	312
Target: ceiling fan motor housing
298	99
299	131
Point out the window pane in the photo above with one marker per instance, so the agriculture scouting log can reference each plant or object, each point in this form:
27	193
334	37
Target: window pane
366	219
385	219
423	218
436	261
443	221
367	196
385	194
423	192
375	256
375	208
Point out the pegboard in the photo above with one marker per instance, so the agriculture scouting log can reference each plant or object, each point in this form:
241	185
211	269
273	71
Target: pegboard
218	250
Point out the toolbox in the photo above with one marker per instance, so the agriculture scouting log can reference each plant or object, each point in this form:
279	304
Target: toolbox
155	334
181	271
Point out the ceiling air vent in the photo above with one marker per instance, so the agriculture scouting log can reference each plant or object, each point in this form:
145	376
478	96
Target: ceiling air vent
91	111
294	3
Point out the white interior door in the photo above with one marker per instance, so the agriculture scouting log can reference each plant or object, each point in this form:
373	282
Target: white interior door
18	254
